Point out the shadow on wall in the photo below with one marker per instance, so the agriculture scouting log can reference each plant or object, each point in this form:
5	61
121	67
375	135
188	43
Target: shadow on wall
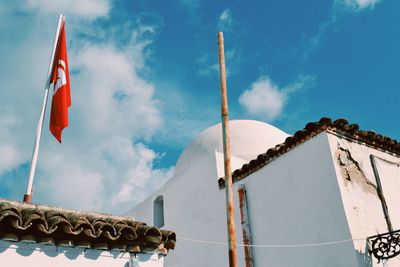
364	258
134	261
26	249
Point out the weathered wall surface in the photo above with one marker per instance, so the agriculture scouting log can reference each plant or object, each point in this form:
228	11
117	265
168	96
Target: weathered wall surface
18	254
358	188
305	196
295	200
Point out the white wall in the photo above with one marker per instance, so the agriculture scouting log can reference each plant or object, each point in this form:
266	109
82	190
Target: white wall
293	200
362	205
194	205
19	254
296	200
194	208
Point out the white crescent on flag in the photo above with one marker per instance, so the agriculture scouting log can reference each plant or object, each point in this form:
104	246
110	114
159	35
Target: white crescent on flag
61	77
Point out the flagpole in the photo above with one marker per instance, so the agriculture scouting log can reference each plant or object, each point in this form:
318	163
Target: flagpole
29	187
230	221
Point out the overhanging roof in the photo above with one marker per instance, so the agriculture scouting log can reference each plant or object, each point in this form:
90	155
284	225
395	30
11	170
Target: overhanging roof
47	225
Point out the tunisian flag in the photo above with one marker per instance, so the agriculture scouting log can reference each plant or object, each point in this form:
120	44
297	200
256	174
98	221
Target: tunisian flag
61	91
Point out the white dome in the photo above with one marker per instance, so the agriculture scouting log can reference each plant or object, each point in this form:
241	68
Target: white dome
248	139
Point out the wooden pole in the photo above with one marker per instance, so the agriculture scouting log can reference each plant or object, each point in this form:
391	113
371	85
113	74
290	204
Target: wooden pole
227	156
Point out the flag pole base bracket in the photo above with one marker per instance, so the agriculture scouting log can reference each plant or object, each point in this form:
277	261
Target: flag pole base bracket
27	199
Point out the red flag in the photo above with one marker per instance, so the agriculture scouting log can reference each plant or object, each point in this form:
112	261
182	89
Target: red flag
61	91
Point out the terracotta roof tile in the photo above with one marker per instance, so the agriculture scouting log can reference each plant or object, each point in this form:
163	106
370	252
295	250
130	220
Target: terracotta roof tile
41	224
312	129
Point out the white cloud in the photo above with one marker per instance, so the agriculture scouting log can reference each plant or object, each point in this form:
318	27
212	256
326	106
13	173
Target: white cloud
263	99
314	41
113	89
113	106
87	8
142	176
338	7
9	153
267	100
208	62
225	21
209	65
226	16
358	4
102	163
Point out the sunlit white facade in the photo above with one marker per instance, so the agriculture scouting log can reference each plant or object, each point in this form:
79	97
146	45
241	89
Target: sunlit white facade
313	205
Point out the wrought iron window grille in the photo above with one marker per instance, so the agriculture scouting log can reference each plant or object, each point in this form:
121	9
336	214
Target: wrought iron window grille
385	246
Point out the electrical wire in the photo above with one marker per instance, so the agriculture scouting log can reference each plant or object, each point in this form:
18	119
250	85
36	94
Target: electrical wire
275	245
122	256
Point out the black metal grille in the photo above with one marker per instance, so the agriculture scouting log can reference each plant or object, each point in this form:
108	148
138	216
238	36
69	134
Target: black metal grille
385	246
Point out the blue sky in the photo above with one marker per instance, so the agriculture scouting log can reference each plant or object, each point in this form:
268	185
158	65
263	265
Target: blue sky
144	80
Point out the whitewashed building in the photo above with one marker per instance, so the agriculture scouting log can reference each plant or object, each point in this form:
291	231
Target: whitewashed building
37	236
317	198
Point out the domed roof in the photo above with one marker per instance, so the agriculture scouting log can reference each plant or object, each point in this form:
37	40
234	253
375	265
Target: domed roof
248	139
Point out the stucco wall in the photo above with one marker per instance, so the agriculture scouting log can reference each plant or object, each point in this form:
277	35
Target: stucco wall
298	199
195	208
19	254
358	189
295	200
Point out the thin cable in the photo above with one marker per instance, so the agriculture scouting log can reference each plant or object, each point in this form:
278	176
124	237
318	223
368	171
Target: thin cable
200	241
276	246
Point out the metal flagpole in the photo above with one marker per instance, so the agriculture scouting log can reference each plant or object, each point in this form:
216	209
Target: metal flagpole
227	156
28	194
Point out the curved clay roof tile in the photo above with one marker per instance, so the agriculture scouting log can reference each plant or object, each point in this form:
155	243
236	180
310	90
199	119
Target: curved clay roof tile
311	126
362	133
83	225
107	229
69	229
353	128
221	181
261	157
290	141
300	134
397	147
58	222
270	152
10	215
91	232
169	239
41	224
111	235
325	121
152	236
340	123
129	233
28	216
253	162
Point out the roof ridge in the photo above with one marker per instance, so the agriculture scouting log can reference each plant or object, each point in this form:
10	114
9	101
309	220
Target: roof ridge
65	210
